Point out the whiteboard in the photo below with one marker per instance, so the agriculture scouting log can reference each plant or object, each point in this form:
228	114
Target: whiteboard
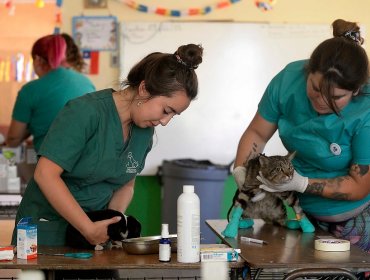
239	61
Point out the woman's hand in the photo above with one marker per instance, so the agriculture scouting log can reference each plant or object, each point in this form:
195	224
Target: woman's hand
298	183
98	233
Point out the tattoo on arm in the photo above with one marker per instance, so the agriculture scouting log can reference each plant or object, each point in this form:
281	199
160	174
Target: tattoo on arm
315	188
360	170
254	147
253	153
340	196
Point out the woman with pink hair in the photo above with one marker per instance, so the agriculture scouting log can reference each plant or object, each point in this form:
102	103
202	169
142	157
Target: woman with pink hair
39	101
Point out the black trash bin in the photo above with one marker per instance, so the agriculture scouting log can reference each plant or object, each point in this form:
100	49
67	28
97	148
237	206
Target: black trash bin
208	180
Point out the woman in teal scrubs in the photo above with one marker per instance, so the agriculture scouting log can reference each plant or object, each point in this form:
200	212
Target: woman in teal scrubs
321	108
98	144
39	101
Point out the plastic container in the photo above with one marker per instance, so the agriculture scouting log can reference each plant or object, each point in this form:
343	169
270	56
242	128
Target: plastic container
209	180
165	245
188	226
3	173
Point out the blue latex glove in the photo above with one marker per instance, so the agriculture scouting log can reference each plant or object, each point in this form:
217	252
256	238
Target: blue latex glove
231	229
298	183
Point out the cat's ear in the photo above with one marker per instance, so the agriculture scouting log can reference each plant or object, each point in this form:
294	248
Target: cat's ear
291	155
263	160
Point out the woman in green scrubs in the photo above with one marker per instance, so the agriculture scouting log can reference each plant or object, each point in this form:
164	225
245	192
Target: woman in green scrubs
99	142
39	101
321	108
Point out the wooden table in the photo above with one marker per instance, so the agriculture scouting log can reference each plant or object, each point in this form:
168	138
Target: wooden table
102	260
289	249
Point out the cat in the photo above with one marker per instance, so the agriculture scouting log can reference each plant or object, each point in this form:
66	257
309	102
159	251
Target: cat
127	227
269	206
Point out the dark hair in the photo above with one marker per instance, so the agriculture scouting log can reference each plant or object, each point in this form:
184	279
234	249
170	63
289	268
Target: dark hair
52	49
341	60
165	73
73	54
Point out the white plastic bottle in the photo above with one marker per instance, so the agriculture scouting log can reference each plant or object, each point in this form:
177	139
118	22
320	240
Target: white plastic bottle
188	226
3	173
165	245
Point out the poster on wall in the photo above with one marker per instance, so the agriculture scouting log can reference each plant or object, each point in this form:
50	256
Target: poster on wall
95	33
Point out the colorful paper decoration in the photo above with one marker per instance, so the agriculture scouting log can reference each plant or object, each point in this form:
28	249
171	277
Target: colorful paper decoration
10	6
58	16
19	67
178	12
40	3
265	5
16	68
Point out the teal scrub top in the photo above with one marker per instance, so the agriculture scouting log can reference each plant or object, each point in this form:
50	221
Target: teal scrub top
326	145
86	140
39	101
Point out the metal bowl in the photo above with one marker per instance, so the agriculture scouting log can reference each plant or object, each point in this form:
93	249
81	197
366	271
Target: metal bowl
147	245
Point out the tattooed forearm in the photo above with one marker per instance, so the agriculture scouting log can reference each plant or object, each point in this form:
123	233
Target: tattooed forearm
255	146
318	188
340	196
253	154
315	188
360	170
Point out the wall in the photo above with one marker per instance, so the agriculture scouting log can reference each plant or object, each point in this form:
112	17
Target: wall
17	35
146	203
287	11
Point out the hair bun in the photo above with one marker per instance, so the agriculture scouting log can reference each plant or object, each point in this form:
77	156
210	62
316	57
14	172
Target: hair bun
189	55
348	30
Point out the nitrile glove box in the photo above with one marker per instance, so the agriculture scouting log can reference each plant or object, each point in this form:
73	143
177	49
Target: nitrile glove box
26	239
219	254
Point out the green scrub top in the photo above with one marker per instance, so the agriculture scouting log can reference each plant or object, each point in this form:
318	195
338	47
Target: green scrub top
86	141
326	145
39	101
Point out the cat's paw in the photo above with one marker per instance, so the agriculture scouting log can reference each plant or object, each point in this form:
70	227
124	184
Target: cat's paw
306	225
99	247
246	223
231	230
292	224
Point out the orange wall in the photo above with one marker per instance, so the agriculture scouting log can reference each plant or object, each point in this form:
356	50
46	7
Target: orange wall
17	34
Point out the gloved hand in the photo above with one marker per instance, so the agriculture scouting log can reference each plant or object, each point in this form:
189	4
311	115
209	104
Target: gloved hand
239	173
298	183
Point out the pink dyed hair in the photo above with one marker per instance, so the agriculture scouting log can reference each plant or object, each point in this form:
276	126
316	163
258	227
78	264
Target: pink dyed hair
52	48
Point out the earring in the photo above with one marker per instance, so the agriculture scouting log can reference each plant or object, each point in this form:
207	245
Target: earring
139	103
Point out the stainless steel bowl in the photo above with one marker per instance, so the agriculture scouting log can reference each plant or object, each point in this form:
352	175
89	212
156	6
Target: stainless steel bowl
147	245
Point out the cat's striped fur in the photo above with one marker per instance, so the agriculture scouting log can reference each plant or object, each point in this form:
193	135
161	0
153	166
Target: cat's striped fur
269	206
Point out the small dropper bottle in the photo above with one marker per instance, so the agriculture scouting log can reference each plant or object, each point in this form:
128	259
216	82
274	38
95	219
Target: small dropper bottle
165	245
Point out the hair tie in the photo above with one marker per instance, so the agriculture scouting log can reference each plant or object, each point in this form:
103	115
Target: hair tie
190	67
354	36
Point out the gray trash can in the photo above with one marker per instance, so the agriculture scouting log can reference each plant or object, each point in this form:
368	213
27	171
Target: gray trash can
209	181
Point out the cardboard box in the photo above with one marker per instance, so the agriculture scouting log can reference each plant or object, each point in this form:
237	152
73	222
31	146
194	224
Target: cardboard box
219	254
6	253
26	239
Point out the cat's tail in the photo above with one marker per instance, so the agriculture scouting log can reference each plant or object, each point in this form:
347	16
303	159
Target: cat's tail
228	213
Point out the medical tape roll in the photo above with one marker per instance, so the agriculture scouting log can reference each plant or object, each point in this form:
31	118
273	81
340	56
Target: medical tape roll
332	245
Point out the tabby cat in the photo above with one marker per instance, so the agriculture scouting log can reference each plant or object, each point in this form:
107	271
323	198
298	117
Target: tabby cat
127	227
269	206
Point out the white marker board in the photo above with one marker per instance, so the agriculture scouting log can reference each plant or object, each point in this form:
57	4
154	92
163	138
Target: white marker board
239	61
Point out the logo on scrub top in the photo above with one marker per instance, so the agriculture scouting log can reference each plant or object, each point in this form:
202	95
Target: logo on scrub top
131	164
